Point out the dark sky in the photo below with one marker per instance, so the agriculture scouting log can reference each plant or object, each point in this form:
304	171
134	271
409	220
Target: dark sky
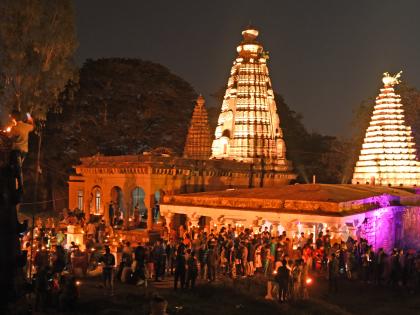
325	56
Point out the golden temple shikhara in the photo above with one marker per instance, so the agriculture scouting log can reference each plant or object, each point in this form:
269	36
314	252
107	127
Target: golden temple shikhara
198	142
248	128
388	155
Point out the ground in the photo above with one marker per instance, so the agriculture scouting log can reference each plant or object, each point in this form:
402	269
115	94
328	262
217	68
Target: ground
245	297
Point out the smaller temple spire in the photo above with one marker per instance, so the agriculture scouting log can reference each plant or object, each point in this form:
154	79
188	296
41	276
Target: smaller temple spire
198	143
388	155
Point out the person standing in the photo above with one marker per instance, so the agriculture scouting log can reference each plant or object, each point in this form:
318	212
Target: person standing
282	278
192	272
91	230
19	134
180	268
126	263
296	280
101	232
202	257
333	274
140	265
212	259
258	261
244	259
158	256
108	261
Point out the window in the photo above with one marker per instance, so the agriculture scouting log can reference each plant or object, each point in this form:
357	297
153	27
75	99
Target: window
97	201
80	199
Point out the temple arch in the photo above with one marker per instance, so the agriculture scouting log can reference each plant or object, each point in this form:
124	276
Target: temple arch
116	207
137	201
158	196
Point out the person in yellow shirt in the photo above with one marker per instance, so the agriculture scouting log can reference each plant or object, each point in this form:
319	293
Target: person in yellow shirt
19	134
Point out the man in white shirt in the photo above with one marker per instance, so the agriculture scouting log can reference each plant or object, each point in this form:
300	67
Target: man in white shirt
91	230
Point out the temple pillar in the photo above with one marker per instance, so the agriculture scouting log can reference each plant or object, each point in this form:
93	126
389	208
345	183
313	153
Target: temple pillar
149	206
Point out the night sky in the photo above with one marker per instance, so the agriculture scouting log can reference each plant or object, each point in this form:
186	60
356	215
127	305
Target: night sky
325	56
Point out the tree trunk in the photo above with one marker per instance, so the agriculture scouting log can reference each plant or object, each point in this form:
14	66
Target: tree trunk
8	238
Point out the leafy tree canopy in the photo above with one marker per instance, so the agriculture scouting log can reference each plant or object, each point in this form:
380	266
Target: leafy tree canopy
120	106
37	43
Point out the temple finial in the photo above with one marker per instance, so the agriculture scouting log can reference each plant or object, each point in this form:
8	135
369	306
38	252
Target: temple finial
391	80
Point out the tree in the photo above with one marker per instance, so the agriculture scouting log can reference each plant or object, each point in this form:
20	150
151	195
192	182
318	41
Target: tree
311	153
37	44
118	107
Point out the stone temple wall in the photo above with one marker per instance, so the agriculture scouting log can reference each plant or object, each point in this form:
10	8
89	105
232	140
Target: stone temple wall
410	233
392	227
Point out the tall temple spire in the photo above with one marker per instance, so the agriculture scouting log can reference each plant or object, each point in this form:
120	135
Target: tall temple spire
198	143
248	127
388	155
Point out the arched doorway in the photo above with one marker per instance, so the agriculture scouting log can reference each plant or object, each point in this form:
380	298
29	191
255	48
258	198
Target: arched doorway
156	204
137	202
116	207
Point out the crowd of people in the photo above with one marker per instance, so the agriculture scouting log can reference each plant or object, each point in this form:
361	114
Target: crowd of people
289	263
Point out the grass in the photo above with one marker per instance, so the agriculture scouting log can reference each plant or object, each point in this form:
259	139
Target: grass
246	297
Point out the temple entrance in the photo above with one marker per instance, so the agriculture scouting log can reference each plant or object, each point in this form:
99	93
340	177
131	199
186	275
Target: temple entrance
116	208
157	199
138	213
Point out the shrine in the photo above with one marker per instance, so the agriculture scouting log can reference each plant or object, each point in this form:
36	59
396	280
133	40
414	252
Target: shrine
249	127
388	155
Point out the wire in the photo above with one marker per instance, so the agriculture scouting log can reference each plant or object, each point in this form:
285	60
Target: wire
42	202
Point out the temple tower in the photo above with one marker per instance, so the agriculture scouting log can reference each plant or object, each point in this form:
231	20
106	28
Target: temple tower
248	127
198	143
388	155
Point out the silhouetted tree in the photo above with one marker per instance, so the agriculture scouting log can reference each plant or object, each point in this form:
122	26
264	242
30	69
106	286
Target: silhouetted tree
118	107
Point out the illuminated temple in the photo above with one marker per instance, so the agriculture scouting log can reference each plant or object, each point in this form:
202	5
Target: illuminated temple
242	178
248	128
388	155
198	142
